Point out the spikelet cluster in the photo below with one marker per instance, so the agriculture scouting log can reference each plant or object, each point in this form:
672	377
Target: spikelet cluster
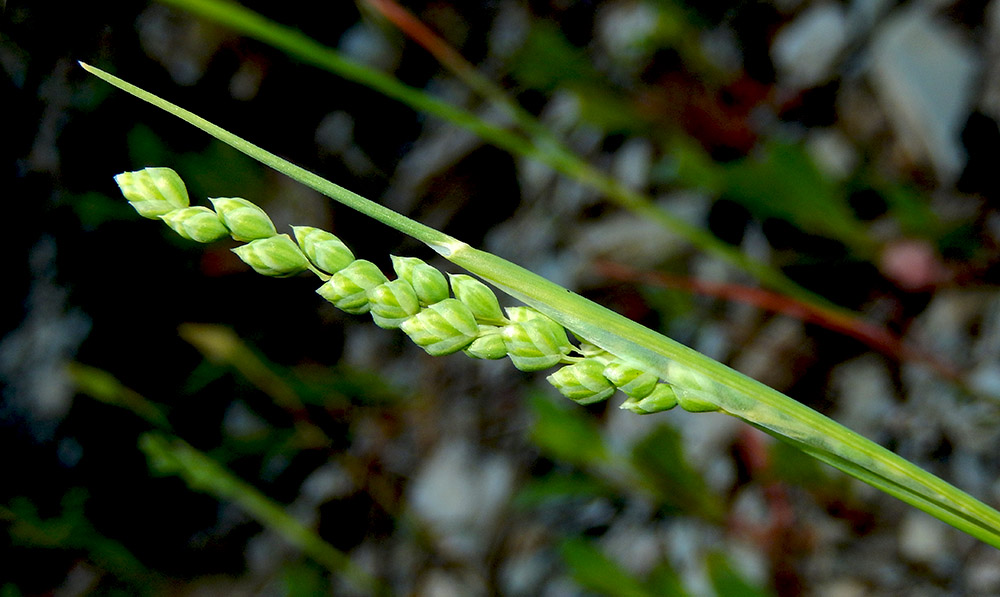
441	314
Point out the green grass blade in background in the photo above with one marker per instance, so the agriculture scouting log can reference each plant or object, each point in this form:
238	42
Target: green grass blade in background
171	456
691	373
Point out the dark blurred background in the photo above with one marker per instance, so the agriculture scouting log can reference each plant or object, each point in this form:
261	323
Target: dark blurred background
851	145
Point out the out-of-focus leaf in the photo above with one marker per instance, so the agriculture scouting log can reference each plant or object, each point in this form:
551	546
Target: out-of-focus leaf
659	458
72	530
784	182
727	582
612	112
566	434
796	467
664	580
547	60
558	486
302	580
172	456
103	386
596	572
910	208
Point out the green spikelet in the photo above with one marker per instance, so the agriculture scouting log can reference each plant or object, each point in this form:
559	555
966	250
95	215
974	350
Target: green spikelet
277	256
660	399
393	303
429	283
245	221
478	297
630	380
582	382
534	342
323	249
348	288
442	328
153	192
199	224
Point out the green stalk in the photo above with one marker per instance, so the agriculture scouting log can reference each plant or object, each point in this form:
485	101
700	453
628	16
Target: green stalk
689	372
543	147
175	457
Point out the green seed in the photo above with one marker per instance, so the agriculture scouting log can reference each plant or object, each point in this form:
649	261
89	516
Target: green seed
323	249
245	221
277	256
393	303
630	380
660	399
199	224
489	345
153	192
533	345
442	328
583	382
429	283
348	288
478	297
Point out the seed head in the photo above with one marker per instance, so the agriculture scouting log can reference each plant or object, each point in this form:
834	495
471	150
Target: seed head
442	328
245	221
153	192
393	303
199	224
323	249
348	288
277	256
582	382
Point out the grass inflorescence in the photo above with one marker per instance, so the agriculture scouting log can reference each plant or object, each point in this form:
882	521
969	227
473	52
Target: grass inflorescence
441	314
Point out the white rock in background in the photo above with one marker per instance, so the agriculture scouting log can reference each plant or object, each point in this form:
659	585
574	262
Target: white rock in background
863	391
460	494
805	50
863	15
923	539
624	28
991	78
924	75
832	152
632	163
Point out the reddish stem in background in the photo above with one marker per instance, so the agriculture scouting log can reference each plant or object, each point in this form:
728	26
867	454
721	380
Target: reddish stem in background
876	337
420	33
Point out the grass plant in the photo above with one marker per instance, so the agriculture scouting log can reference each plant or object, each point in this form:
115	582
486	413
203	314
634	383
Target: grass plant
610	352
